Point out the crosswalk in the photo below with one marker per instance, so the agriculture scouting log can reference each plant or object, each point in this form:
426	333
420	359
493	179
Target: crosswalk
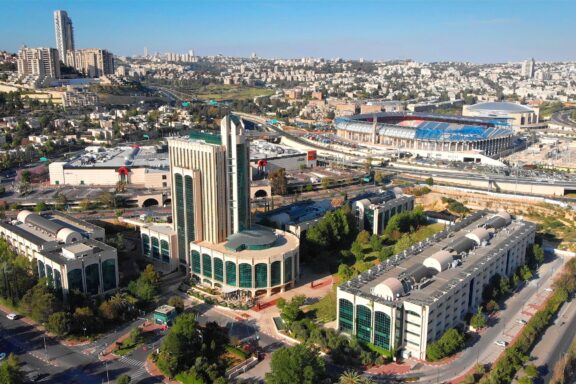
140	365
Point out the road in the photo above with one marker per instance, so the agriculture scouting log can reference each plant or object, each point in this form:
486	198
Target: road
56	363
562	118
485	350
555	341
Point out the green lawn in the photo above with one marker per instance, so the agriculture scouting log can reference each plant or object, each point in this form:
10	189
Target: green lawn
325	309
427	231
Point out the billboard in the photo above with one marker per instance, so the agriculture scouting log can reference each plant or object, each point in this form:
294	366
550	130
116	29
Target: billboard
311	155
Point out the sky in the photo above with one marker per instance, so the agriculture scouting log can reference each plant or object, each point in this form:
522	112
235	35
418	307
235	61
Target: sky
480	31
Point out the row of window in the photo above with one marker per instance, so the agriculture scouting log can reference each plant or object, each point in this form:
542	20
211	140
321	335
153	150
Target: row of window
364	326
159	250
215	268
92	277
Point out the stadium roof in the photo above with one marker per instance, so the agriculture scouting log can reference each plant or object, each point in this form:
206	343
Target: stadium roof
500	106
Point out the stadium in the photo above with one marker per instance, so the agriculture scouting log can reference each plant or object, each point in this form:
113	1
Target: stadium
472	139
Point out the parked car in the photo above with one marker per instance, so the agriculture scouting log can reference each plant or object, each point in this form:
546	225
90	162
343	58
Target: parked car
501	343
12	316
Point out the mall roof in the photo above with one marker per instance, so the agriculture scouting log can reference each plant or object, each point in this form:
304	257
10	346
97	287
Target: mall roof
132	157
500	106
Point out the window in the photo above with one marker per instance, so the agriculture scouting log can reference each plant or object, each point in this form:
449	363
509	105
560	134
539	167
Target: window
218	269
363	323
146	245
245	275
180	226
155	248
109	274
382	330
163	177
276	273
261	271
287	270
346	316
195	261
206	265
230	273
165	251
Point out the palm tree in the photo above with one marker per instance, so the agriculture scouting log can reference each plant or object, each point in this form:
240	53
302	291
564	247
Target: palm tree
353	377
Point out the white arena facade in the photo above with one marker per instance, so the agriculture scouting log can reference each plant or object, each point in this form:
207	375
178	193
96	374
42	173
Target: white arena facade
459	138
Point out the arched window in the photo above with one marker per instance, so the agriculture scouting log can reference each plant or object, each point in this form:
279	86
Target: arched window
245	275
206	265
75	280
146	245
345	316
363	323
109	274
261	271
155	248
382	330
276	273
287	270
165	251
218	269
230	273
195	261
92	279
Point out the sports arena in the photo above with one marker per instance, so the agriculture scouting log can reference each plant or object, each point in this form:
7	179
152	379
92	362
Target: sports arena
430	135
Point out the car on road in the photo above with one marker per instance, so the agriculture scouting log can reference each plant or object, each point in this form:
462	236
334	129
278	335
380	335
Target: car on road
11	316
549	290
501	343
522	321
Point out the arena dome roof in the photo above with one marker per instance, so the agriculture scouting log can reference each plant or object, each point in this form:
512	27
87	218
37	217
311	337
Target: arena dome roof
500	106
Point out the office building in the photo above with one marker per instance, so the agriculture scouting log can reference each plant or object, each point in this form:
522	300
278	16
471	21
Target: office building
41	62
69	252
212	234
373	213
64	34
410	300
92	62
528	69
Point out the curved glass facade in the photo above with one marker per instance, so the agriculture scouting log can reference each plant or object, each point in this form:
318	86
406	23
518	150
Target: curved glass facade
245	275
206	265
75	280
92	279
218	269
109	274
165	251
195	261
276	273
231	273
346	316
363	323
155	248
146	245
261	271
382	330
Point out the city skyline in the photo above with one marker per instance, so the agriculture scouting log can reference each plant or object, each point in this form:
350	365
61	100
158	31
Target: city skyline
482	32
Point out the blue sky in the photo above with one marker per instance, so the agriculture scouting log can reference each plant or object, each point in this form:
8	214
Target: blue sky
425	30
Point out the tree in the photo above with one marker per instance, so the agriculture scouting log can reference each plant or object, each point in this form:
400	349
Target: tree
345	272
478	321
278	181
297	364
59	323
429	181
451	342
531	371
84	204
325	182
538	253
353	377
177	302
363	237
290	311
107	199
146	286
404	243
181	347
357	250
385	253
123	379
10	372
379	177
39	302
40	207
526	273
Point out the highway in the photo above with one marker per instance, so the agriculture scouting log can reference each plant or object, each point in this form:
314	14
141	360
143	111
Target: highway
562	118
